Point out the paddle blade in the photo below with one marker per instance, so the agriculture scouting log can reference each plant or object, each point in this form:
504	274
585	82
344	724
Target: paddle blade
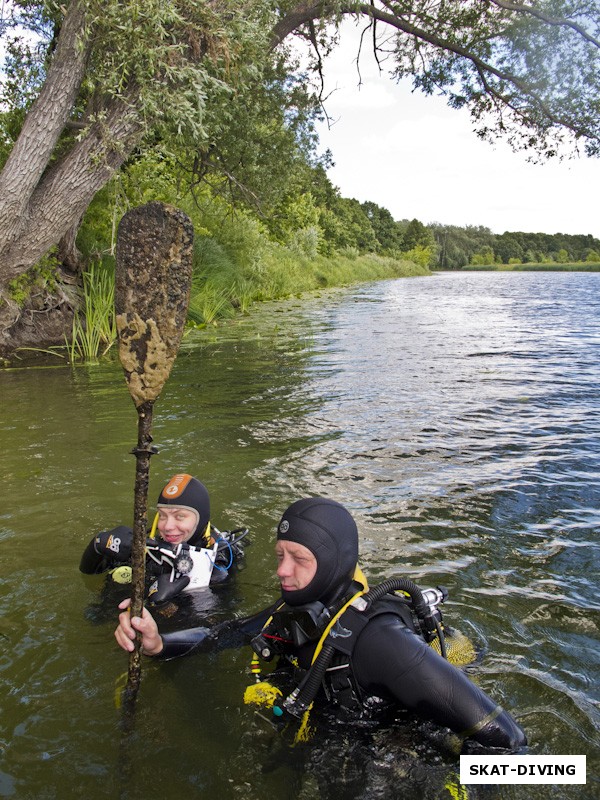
152	292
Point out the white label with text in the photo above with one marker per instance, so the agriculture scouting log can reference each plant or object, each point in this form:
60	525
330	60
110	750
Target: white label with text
522	769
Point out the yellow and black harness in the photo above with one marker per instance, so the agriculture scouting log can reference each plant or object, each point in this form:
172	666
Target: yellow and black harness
331	665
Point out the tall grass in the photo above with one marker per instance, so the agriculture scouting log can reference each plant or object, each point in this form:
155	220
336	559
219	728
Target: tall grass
209	304
94	326
236	263
224	283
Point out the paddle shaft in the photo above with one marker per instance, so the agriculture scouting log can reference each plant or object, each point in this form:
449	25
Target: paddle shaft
142	452
152	288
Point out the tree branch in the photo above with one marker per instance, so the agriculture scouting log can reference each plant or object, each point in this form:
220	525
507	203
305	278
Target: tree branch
562	22
45	121
307	11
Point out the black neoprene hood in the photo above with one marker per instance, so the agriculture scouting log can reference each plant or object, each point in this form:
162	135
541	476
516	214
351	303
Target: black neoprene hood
330	533
184	491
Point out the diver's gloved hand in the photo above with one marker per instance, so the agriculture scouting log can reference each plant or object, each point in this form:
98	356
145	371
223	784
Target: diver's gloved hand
163	588
116	542
106	549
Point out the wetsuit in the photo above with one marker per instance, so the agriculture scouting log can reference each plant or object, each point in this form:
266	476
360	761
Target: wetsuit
204	558
389	661
385	656
111	549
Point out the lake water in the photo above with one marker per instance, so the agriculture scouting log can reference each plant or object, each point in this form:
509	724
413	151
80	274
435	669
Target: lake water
455	415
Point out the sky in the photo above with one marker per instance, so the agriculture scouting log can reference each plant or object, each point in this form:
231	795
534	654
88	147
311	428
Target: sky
418	158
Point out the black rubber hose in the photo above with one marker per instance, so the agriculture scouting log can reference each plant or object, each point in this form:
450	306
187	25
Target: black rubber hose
420	605
309	687
442	638
403	584
307	691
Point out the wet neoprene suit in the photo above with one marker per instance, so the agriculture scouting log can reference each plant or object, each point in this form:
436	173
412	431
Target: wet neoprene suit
390	661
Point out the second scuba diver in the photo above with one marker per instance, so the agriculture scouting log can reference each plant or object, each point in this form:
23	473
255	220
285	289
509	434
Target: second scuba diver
183	550
341	643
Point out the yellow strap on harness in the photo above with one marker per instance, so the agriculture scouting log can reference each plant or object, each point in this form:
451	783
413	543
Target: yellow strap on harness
360	578
152	533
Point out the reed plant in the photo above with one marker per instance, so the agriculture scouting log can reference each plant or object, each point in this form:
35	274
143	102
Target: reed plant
209	304
94	326
242	295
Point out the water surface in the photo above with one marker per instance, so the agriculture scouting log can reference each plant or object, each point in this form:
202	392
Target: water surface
455	415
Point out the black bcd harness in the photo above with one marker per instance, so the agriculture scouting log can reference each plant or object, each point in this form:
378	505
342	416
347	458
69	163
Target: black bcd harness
332	660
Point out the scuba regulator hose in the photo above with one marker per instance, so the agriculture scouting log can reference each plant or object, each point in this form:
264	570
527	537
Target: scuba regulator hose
425	604
300	699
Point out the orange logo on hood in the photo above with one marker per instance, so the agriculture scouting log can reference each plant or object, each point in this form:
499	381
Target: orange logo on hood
176	486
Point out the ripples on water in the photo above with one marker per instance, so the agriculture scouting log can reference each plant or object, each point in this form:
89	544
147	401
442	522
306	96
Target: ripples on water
455	415
458	417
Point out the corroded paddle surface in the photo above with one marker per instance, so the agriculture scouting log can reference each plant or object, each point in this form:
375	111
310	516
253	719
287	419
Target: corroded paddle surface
152	288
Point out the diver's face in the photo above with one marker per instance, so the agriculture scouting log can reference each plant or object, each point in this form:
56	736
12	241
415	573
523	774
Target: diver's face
296	565
176	525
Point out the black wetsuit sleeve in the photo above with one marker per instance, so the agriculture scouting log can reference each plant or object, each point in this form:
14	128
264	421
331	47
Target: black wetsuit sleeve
106	550
225	635
92	562
390	659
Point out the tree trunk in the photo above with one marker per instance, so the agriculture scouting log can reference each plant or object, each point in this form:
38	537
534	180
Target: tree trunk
62	196
68	255
41	130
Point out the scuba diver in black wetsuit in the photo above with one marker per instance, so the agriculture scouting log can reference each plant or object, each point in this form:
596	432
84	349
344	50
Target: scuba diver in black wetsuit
188	552
353	648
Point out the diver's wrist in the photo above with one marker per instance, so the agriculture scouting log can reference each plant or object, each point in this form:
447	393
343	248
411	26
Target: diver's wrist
154	651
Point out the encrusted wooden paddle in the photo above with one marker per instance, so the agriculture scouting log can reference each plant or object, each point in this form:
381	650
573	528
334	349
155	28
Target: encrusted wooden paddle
152	290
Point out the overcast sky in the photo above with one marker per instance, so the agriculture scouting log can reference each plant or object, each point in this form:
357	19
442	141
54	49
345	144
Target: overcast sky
418	158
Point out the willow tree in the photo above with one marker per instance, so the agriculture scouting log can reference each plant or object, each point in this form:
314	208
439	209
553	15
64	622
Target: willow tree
108	75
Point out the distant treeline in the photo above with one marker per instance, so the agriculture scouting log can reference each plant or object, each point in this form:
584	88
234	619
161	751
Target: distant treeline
456	247
341	223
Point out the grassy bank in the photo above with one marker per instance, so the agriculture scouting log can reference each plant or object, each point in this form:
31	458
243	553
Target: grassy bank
226	284
221	289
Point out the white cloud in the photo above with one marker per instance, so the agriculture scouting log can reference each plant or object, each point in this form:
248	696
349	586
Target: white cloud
418	158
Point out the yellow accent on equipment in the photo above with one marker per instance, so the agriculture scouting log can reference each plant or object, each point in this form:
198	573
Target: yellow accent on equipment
152	533
121	574
456	789
459	648
304	732
261	694
359	577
